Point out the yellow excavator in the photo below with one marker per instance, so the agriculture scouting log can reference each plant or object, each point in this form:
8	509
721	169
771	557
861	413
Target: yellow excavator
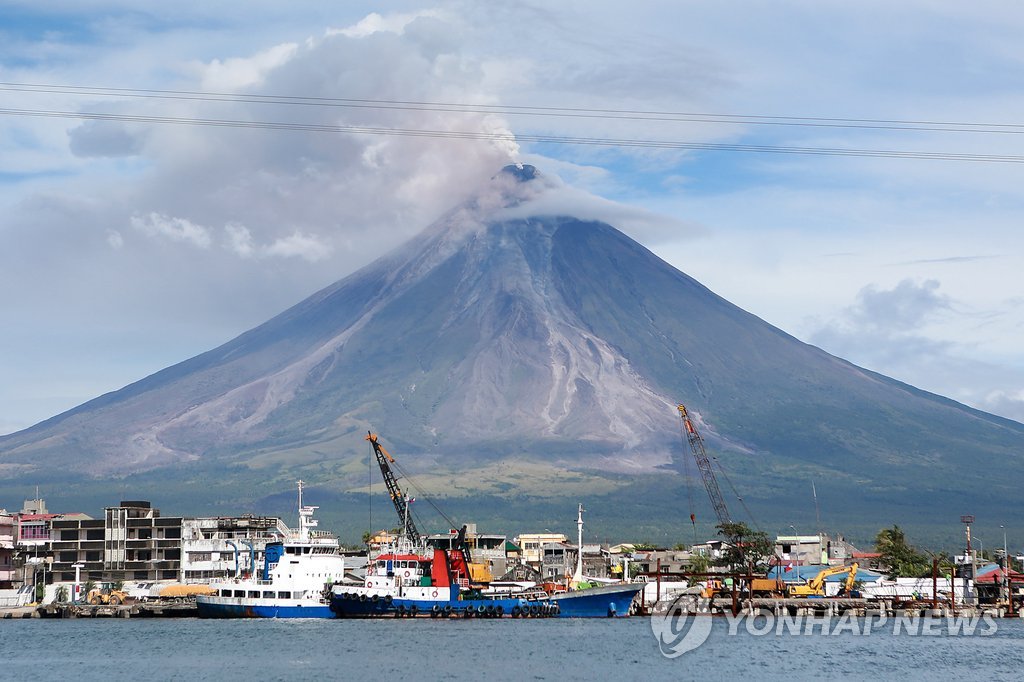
815	587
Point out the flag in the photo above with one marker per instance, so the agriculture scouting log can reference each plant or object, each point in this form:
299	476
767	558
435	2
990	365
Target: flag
789	567
411	500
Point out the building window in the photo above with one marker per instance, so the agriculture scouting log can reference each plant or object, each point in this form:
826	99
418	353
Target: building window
69	535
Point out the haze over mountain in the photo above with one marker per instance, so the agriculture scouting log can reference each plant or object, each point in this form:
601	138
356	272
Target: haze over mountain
511	352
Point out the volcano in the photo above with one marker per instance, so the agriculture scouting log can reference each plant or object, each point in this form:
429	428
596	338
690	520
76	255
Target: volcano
513	352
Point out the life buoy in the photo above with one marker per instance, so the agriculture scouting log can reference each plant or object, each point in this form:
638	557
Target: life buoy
369	583
434	594
407	574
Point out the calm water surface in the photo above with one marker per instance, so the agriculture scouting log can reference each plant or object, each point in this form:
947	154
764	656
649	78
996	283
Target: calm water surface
189	649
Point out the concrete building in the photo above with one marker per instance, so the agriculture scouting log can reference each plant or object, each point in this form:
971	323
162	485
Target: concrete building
802	550
531	544
218	547
8	573
131	542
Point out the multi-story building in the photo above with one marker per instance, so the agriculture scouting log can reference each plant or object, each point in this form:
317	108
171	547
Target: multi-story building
8	574
218	547
131	542
531	544
485	549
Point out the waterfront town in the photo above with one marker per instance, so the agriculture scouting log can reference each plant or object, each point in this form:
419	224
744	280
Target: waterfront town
143	556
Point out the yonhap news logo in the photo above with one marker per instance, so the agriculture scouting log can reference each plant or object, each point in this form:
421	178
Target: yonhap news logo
685	624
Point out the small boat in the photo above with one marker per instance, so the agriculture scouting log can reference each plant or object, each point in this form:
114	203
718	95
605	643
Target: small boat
612	600
293	580
604	601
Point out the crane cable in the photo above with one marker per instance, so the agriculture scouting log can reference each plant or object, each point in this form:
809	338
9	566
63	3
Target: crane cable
721	470
412	484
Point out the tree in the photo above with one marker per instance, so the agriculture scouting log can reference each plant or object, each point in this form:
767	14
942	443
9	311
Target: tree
747	549
62	594
902	559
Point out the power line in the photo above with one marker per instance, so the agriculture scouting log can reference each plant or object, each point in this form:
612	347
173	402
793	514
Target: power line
546	139
571	112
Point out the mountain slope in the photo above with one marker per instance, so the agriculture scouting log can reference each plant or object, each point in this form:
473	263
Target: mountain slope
502	336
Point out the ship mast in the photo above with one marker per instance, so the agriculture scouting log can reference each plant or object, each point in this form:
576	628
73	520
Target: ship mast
578	575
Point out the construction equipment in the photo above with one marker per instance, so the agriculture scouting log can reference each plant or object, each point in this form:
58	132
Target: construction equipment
397	496
106	594
815	587
706	472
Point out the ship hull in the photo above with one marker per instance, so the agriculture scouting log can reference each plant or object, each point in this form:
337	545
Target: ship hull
609	601
213	607
352	606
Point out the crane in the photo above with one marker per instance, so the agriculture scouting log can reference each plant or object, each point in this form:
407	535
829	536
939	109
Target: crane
397	496
706	472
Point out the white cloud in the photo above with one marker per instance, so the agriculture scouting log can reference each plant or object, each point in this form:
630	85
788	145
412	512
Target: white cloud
307	247
376	23
237	73
175	229
239	239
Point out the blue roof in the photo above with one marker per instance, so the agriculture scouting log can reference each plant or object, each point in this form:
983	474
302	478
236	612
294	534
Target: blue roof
801	574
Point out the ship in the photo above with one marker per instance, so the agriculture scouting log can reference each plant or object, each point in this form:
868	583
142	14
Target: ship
411	580
293	581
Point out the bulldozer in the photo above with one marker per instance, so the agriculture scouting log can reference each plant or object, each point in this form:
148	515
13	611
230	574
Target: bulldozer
106	594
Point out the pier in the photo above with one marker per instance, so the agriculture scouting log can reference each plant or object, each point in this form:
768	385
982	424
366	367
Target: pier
186	609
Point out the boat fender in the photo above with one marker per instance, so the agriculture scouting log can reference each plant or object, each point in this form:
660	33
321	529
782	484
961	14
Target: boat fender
499	610
556	609
388	599
516	611
435	609
401	609
412	610
470	610
489	610
362	597
447	610
375	598
534	610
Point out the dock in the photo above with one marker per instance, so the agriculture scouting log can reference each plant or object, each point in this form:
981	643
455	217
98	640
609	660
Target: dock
185	609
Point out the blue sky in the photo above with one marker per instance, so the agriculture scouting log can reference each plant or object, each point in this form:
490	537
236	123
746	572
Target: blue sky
126	247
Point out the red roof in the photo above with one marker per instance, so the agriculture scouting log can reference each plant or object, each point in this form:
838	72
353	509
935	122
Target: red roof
997	576
866	555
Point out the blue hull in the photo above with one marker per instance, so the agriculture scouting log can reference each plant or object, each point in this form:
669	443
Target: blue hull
611	601
347	607
240	611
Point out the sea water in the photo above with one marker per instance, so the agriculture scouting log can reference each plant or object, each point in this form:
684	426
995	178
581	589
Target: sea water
424	649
